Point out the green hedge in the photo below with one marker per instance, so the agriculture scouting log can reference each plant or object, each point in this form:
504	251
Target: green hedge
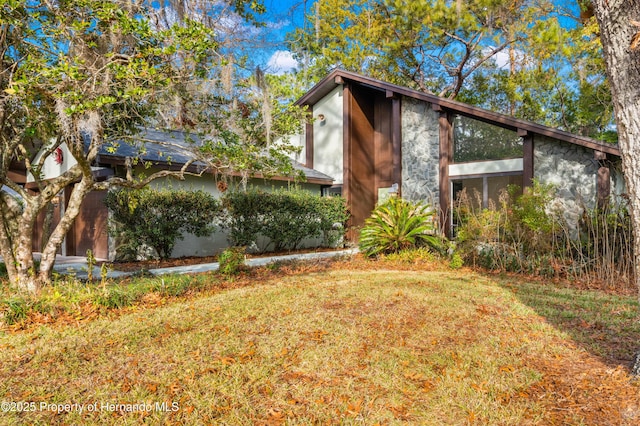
284	217
158	218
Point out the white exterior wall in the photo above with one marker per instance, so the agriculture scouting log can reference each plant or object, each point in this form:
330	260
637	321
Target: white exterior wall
327	136
297	140
50	168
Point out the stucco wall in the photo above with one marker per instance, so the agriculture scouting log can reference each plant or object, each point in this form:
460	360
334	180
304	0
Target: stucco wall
327	136
420	152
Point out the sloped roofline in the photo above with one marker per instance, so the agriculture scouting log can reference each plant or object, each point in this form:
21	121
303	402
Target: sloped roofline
170	158
339	77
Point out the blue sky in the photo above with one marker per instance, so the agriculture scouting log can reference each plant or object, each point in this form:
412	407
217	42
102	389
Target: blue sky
283	16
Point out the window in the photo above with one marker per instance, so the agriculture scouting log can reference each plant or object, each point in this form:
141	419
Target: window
335	190
475	140
484	192
476	193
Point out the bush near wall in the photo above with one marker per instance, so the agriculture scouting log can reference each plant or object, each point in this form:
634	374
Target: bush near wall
158	218
530	233
284	218
398	225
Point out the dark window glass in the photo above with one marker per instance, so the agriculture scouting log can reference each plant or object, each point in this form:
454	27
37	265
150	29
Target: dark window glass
475	140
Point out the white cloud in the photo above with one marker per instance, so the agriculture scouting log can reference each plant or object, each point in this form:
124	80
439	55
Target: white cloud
282	61
503	61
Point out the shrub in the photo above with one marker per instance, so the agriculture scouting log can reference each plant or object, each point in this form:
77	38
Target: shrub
15	310
284	217
231	261
116	297
412	256
538	233
398	225
158	218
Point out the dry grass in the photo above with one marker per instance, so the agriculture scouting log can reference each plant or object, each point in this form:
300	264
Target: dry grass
339	346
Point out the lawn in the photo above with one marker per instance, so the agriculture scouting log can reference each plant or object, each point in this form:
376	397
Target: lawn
349	344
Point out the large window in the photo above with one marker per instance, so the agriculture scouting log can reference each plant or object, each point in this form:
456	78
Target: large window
475	140
477	193
484	192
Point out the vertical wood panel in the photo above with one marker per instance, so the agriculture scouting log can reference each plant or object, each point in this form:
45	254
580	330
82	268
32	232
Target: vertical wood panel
90	227
362	167
308	140
383	147
346	146
396	141
445	156
527	160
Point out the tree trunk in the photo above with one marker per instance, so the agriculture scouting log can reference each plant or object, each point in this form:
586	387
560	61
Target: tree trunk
10	212
26	277
71	211
617	34
16	235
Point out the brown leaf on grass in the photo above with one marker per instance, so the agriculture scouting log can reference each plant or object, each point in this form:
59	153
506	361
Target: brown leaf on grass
354	408
175	388
125	386
428	386
275	416
507	369
414	376
226	360
487	310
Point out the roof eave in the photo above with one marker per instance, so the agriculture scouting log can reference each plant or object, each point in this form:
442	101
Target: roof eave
338	77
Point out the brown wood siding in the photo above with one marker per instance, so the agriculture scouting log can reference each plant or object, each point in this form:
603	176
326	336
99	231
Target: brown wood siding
361	155
527	160
383	143
396	141
446	156
308	140
90	228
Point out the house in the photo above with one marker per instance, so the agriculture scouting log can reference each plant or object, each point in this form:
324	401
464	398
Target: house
162	151
374	137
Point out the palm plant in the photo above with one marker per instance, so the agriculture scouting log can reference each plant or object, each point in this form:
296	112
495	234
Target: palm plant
398	225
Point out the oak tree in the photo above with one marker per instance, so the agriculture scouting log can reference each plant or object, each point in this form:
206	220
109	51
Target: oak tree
86	74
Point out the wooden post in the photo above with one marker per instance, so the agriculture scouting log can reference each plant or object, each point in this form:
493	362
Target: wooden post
603	180
396	141
527	158
308	140
445	157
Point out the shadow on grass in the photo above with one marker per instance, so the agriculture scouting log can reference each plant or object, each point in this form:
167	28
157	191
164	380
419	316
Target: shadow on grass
605	325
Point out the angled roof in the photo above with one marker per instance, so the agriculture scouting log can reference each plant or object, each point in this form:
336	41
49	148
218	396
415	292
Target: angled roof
168	149
338	77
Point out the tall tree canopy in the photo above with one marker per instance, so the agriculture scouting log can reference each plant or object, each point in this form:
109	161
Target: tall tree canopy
88	73
527	58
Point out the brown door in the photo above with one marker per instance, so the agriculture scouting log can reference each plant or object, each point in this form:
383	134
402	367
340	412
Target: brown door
90	229
361	156
369	150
